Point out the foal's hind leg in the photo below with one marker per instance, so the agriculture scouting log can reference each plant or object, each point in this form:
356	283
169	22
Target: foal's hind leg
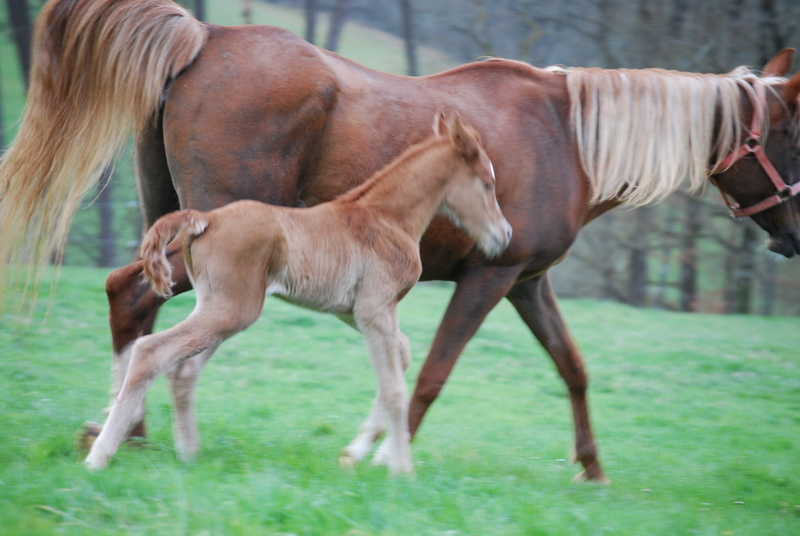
182	380
151	356
132	312
535	302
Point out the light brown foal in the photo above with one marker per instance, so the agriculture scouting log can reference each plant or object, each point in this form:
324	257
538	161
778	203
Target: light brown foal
355	257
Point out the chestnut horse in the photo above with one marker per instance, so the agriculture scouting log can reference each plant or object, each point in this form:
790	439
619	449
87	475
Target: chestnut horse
356	257
255	112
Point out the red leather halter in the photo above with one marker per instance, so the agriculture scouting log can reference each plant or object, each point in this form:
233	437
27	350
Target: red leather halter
752	145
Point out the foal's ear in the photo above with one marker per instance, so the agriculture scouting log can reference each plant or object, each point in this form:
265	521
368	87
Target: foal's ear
464	138
440	127
780	63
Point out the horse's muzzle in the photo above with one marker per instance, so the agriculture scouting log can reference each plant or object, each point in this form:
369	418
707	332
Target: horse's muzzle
786	244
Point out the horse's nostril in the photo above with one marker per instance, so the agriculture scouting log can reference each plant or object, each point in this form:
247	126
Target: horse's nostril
508	232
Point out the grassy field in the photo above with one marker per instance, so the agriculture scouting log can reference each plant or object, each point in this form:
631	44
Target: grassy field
698	419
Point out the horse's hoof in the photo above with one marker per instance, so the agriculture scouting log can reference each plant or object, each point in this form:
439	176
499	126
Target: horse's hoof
86	435
600	479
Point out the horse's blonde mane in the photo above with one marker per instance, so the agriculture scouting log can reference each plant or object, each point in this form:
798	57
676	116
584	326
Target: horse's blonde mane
641	133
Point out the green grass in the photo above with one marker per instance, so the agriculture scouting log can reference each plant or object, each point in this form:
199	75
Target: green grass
697	417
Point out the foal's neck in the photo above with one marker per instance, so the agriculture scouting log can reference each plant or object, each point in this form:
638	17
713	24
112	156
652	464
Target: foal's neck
410	189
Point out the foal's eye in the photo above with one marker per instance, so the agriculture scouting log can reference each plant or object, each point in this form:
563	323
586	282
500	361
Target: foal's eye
488	185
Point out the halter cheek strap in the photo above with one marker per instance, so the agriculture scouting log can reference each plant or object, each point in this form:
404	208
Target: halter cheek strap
752	145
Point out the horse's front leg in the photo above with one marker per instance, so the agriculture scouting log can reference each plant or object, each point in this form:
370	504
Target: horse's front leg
477	293
535	302
384	342
132	313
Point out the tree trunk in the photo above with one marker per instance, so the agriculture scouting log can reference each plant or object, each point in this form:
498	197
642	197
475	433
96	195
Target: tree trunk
637	258
311	20
107	252
768	285
247	12
408	37
20	20
746	270
688	260
200	9
338	18
667	245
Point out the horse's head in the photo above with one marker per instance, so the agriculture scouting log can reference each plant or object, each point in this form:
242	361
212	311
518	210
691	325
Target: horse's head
763	175
470	200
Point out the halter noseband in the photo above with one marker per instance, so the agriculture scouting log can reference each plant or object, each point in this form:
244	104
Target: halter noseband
752	145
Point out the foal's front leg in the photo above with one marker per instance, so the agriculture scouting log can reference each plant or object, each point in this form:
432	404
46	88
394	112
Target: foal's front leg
375	423
383	340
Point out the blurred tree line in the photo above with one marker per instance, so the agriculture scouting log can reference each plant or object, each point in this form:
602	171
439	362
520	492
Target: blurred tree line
683	254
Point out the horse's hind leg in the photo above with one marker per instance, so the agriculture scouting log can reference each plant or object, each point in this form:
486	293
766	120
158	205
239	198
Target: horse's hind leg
182	380
535	302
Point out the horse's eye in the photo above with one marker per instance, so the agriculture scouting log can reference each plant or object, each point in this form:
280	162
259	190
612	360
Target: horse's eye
796	153
488	185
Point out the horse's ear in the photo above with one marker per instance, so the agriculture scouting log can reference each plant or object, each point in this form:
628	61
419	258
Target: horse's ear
780	63
440	127
791	90
464	140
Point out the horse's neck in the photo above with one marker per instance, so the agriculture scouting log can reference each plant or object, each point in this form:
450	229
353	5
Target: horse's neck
411	190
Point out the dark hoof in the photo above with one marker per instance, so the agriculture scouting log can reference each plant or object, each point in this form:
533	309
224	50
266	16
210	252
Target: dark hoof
86	435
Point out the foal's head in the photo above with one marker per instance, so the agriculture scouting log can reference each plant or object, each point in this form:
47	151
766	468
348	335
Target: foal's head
470	200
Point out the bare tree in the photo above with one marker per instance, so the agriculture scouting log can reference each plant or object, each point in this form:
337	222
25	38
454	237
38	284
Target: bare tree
338	17
107	251
200	9
20	19
311	20
693	226
408	37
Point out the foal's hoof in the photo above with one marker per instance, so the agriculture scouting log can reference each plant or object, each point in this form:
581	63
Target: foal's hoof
86	435
346	461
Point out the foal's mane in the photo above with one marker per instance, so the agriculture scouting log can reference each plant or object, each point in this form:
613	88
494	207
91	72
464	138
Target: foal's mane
641	133
397	170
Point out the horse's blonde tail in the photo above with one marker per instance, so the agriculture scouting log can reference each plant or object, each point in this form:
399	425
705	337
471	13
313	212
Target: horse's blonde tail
155	267
98	74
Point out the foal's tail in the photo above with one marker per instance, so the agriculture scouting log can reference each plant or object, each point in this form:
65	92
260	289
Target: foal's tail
157	269
99	72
